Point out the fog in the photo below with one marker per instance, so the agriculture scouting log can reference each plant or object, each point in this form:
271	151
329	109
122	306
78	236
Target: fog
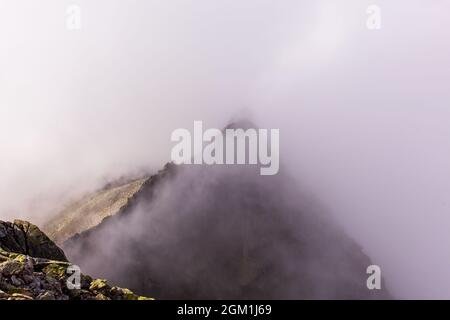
363	114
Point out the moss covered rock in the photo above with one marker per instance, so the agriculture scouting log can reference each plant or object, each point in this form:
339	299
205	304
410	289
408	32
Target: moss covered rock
23	237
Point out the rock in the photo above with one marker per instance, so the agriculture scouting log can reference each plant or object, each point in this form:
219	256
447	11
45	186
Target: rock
89	212
28	265
46	296
236	235
16	281
35	284
23	277
12	267
85	281
21	290
3	295
28	279
86	295
19	296
44	276
25	238
101	297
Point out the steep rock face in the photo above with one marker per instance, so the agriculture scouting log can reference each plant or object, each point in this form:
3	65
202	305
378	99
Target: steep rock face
25	238
224	233
91	210
32	267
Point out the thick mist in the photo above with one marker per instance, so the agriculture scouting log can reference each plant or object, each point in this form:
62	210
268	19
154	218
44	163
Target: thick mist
363	115
205	232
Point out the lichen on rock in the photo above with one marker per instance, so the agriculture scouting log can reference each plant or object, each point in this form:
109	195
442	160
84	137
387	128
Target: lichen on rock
44	276
25	238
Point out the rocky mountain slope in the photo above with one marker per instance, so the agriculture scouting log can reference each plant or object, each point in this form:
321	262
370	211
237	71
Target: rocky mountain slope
90	211
219	232
32	267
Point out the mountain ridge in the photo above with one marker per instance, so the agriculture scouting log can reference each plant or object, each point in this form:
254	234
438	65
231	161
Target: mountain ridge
91	210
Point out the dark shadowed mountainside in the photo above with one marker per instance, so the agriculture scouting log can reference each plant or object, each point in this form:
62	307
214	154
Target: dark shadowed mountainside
224	232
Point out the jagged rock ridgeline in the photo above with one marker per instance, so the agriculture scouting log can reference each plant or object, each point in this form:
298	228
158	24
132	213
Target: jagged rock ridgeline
208	232
32	267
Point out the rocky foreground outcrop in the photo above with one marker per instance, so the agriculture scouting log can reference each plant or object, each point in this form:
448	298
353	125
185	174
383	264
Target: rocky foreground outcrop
92	209
32	267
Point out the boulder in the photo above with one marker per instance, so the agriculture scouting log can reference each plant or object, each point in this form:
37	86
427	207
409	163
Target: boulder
32	267
26	238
